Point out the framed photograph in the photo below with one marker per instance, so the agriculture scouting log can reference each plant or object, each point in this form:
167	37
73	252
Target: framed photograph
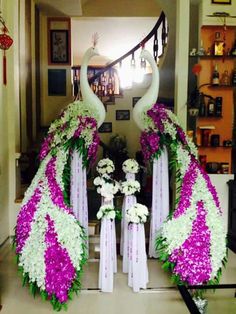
122	115
59	50
56	82
135	100
106	127
221	1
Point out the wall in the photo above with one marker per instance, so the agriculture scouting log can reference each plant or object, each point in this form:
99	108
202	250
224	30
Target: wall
9	124
207	8
125	128
50	105
113	42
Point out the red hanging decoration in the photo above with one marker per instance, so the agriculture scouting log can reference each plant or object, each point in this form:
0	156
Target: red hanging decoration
5	43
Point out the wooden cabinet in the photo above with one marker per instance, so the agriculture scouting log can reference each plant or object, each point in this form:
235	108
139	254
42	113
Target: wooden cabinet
222	125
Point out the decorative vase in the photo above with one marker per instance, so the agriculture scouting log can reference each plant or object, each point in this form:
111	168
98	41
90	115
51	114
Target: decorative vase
201	304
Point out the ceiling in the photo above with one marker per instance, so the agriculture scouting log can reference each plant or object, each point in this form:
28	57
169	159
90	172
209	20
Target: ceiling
103	8
60	7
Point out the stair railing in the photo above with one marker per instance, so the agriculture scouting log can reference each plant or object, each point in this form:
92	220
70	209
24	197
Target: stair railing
161	25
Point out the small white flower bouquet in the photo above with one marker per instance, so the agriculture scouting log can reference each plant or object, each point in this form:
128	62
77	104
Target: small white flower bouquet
130	166
105	166
106	186
106	211
130	187
137	214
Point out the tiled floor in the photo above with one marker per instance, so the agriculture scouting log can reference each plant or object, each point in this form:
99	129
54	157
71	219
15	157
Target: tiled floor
160	298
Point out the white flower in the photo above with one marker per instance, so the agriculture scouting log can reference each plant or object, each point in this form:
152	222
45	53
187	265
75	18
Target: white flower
130	187
130	166
105	166
146	120
169	129
173	117
97	181
176	230
183	159
106	211
137	214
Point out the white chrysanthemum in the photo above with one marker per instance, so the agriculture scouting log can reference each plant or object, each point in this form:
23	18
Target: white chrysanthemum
105	166
130	166
130	187
137	214
97	181
106	211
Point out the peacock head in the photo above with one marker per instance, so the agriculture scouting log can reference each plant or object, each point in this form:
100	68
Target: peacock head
93	51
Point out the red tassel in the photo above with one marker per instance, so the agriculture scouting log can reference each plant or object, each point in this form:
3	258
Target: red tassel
4	69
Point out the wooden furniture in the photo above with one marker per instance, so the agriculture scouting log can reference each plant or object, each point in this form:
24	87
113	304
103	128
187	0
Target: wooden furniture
222	124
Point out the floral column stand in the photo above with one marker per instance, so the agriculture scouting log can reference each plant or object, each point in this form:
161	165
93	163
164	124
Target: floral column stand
160	198
129	187
138	271
78	194
107	187
108	257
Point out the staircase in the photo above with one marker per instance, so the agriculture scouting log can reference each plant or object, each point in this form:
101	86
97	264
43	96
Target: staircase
103	79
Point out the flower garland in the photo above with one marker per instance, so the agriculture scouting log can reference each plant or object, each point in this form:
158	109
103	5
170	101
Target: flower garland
50	244
76	128
192	242
137	214
130	166
162	128
105	166
130	187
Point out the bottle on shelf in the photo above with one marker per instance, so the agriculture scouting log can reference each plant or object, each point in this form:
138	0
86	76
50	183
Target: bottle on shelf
233	50
202	106
234	77
225	79
201	51
218	107
215	76
211	108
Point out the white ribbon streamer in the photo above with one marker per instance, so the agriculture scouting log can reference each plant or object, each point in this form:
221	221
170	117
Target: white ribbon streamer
160	199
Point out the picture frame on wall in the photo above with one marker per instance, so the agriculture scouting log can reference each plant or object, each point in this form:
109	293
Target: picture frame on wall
122	115
59	50
221	1
106	127
56	82
135	100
